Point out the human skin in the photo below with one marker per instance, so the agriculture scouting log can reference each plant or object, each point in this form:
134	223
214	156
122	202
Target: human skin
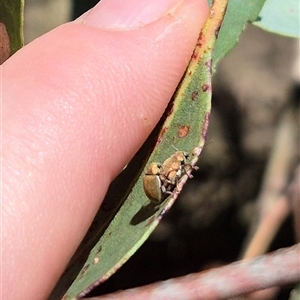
77	104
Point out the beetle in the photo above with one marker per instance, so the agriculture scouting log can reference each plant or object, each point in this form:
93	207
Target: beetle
152	183
160	179
172	167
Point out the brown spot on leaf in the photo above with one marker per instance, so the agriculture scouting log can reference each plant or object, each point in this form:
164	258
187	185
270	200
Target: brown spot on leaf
183	131
99	250
205	87
195	56
161	135
83	271
194	95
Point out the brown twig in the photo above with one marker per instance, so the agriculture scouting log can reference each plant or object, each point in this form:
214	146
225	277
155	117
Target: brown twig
273	205
279	268
281	158
268	227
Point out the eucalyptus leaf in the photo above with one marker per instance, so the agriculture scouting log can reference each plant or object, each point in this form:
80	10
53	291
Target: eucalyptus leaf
12	16
281	17
239	13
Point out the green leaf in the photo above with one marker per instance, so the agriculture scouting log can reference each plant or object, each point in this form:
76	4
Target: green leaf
183	127
239	12
11	15
281	17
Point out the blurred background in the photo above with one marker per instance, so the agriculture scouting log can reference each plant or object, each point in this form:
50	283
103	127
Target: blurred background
251	157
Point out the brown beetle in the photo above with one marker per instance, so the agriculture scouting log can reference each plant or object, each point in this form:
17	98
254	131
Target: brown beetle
152	183
161	179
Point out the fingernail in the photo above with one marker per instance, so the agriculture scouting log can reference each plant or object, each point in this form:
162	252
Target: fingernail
120	14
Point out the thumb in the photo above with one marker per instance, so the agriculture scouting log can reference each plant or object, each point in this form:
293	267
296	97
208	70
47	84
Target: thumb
77	104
